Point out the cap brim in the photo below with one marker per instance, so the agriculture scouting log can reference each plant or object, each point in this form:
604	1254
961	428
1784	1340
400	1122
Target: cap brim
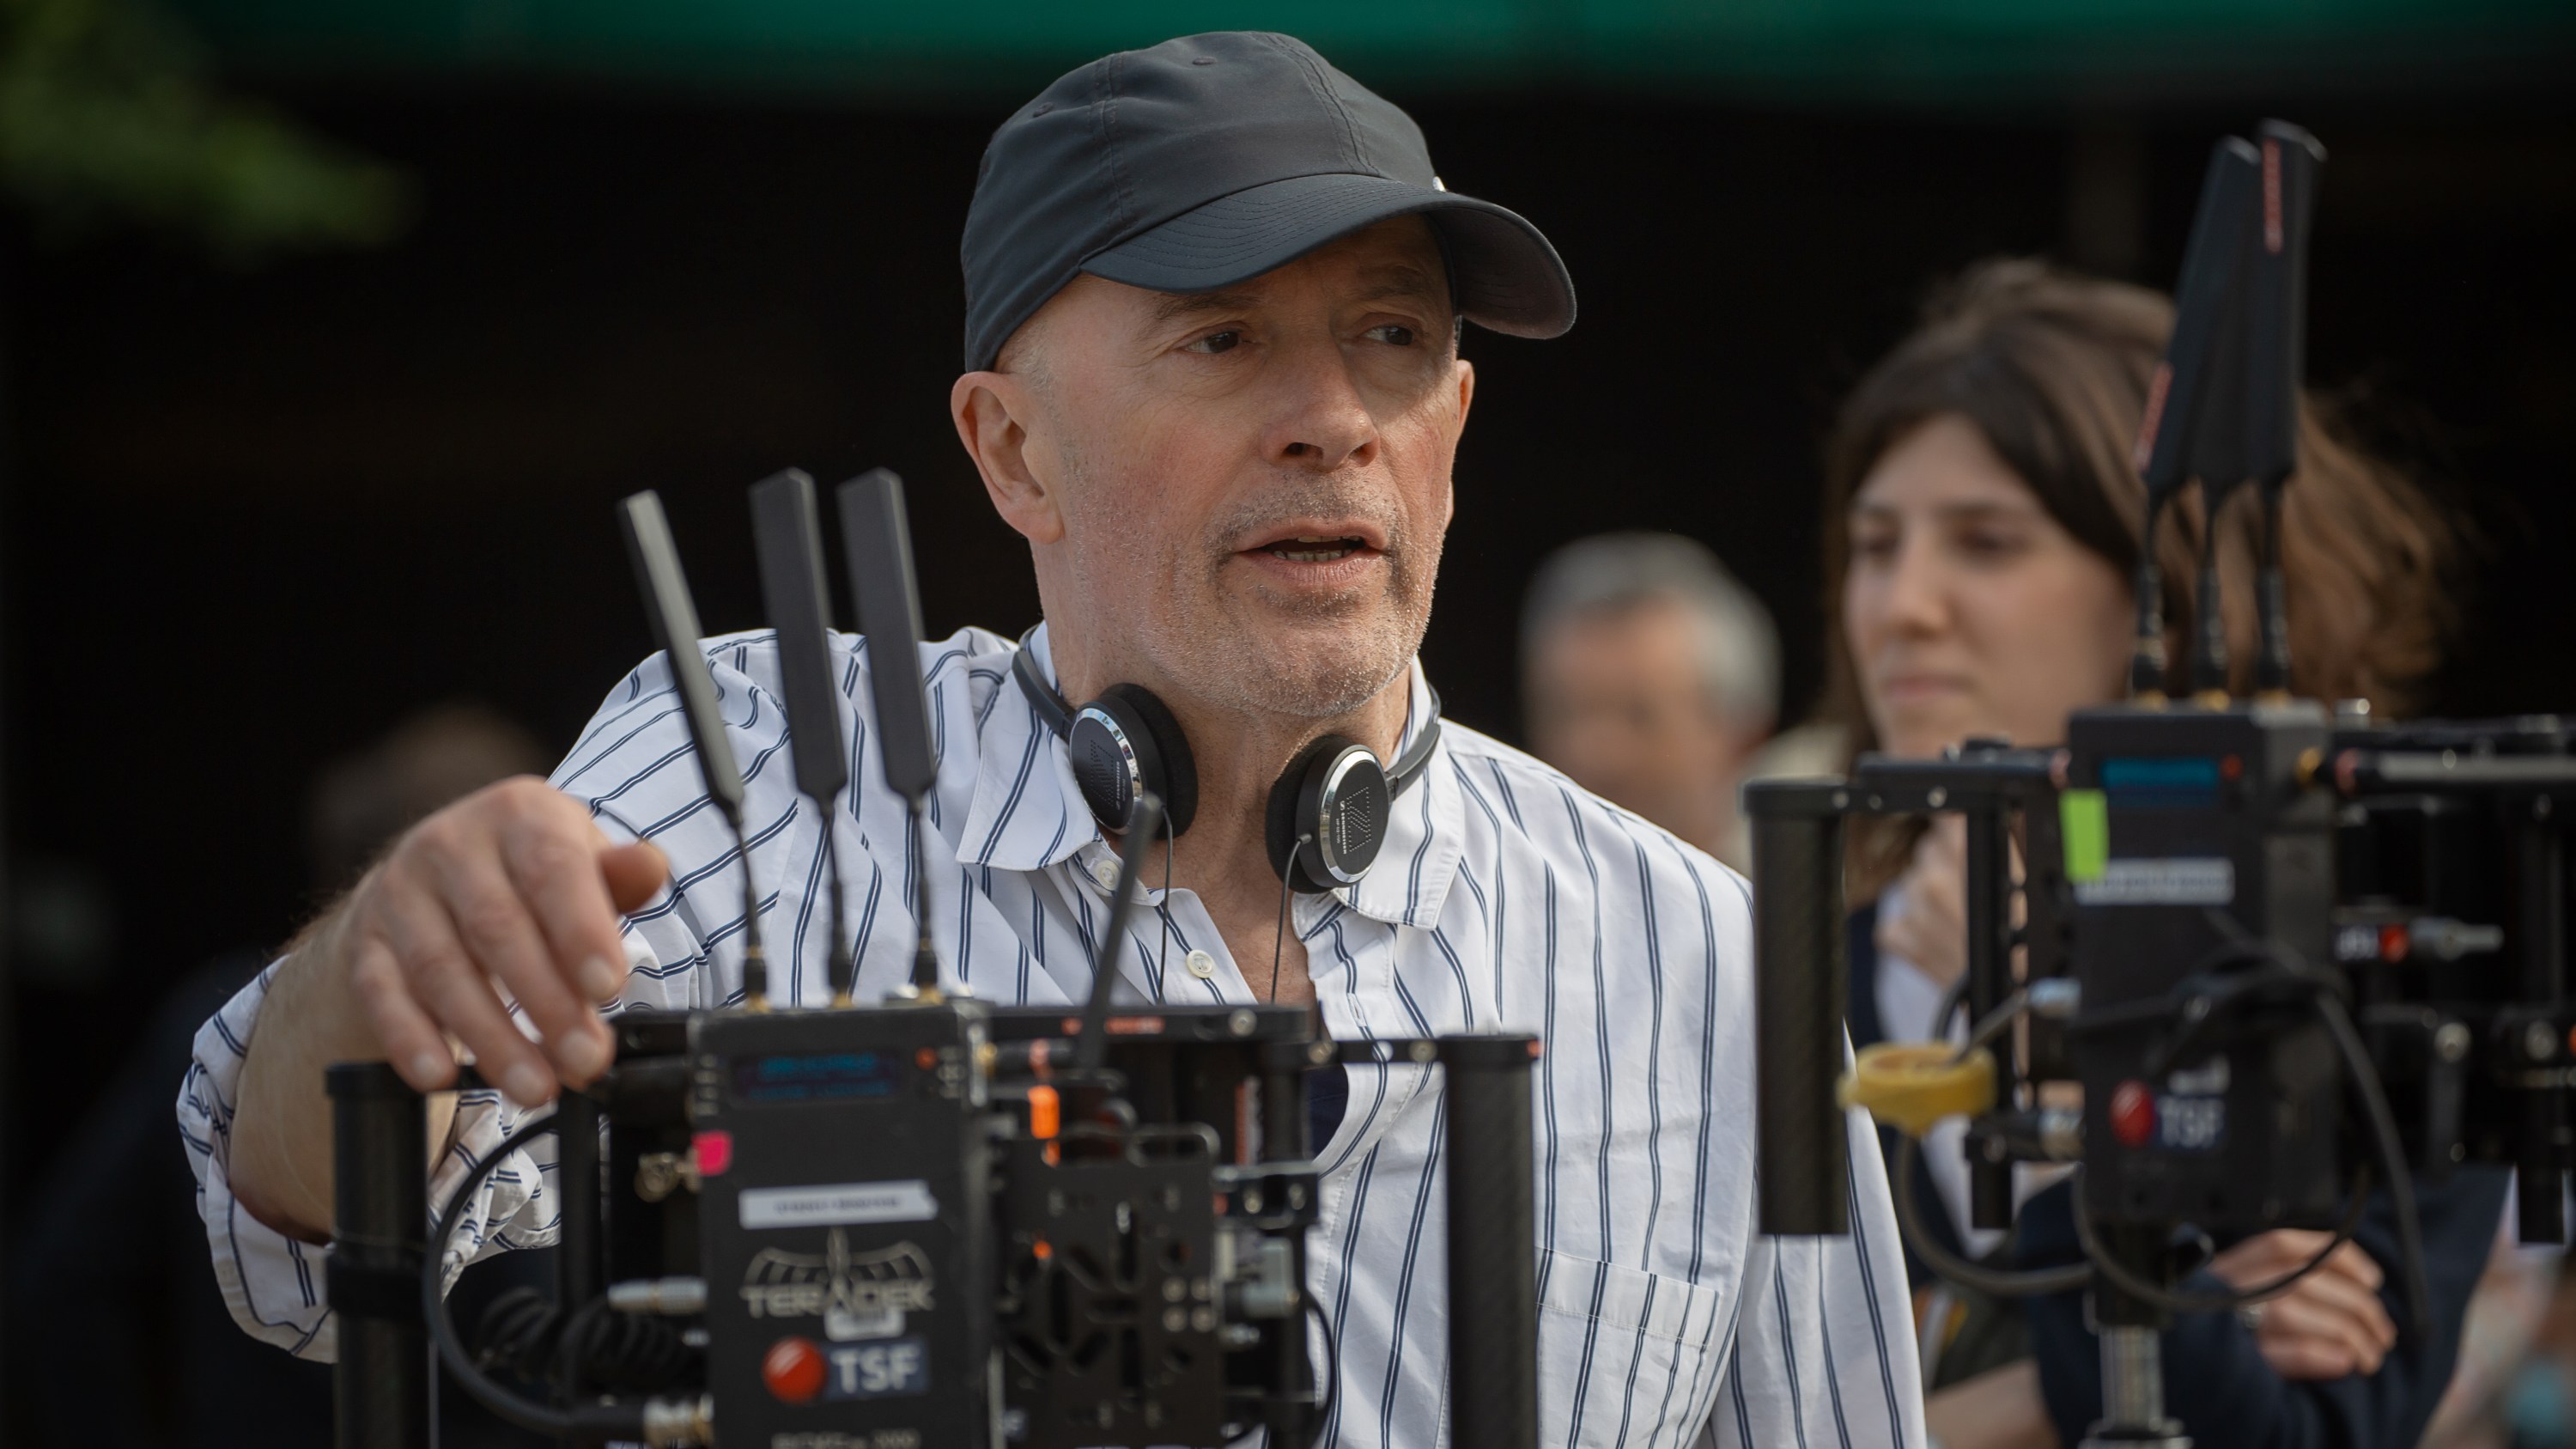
1504	273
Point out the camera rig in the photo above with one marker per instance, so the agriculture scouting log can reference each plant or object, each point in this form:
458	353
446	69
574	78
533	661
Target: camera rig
930	1222
2290	955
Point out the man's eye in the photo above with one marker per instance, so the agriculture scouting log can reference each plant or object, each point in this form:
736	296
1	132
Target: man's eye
1214	342
1394	334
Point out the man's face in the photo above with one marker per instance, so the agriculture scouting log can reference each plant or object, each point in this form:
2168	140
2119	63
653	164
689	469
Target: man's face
1618	700
1249	487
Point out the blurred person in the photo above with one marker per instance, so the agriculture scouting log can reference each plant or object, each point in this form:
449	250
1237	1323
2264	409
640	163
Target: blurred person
134	1347
1651	676
2508	1326
1981	531
1212	377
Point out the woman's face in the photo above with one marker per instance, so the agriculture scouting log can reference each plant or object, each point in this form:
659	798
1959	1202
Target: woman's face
1967	609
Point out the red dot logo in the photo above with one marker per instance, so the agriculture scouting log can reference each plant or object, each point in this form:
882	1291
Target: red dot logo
793	1370
2133	1113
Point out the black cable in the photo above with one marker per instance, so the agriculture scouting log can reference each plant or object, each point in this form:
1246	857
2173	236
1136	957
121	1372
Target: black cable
596	1423
1279	942
2158	1295
1993	1282
1163	961
1332	1370
2324	994
594	1347
2392	1159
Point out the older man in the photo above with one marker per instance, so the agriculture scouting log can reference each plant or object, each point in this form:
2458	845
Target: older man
1651	676
1213	303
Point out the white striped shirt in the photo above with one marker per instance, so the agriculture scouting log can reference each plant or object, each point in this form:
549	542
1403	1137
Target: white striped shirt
1505	898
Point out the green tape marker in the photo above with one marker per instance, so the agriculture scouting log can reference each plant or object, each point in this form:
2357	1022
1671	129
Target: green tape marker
2084	818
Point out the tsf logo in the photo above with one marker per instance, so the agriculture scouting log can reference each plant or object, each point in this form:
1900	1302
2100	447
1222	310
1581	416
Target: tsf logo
863	1295
877	1370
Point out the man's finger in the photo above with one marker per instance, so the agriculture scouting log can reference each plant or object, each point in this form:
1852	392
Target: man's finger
634	871
459	998
493	921
411	1041
554	865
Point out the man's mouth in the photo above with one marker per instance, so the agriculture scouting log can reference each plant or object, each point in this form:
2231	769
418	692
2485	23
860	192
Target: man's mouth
1310	549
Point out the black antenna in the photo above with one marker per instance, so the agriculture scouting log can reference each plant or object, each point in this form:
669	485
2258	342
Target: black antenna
1144	822
675	632
789	542
877	544
2194	423
2276	346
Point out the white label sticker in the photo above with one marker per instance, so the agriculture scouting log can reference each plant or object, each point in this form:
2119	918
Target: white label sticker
908	1201
2178	881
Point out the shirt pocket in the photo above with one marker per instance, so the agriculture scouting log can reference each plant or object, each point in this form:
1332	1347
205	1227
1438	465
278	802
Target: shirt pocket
1623	1352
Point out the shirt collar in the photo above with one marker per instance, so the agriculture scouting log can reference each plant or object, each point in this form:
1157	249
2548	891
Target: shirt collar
1029	814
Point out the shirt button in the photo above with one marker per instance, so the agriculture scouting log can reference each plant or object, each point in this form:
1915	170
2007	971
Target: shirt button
1201	964
1105	871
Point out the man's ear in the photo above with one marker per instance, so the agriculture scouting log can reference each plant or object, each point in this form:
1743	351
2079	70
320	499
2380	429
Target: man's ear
1466	397
992	411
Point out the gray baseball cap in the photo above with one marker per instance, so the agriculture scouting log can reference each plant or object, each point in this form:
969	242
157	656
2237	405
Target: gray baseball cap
1209	160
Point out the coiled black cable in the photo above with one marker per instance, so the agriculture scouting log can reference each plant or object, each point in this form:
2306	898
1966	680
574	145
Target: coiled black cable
593	1348
582	1423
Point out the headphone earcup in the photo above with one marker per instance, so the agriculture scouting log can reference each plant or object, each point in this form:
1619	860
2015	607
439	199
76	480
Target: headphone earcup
1336	796
1126	722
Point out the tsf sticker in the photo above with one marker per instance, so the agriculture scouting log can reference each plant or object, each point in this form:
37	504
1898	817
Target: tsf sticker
2190	1124
880	1370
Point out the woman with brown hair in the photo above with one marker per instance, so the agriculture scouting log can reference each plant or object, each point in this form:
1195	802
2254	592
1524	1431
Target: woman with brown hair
1983	524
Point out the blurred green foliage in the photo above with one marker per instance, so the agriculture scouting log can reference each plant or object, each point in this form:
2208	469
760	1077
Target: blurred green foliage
108	116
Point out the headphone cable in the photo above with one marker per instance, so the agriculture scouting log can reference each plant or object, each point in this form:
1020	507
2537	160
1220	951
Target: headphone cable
1287	873
1163	963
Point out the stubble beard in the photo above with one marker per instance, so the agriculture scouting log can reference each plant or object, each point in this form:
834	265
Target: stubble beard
1222	638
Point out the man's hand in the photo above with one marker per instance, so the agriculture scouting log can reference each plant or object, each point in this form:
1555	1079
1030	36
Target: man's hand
511	889
2330	1323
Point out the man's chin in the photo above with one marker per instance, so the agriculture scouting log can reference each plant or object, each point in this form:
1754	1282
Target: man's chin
1314	669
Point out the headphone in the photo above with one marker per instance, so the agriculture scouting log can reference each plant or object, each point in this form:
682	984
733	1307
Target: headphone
1327	815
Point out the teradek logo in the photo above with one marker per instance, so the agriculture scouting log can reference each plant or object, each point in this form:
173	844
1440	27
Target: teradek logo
861	1295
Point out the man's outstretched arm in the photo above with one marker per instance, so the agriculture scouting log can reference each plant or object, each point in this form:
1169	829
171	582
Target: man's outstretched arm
510	895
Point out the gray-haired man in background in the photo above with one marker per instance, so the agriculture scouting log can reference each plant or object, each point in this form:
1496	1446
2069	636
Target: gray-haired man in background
1652	676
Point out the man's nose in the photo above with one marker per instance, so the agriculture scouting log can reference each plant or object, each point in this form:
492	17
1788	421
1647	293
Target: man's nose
1322	422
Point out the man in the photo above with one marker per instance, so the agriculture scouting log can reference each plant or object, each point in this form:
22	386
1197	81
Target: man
1651	676
1213	302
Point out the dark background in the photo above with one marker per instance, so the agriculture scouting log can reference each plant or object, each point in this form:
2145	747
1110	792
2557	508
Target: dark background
254	516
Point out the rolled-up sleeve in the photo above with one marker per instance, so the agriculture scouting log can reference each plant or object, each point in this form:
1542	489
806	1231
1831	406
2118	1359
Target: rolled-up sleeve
1824	1337
277	1286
